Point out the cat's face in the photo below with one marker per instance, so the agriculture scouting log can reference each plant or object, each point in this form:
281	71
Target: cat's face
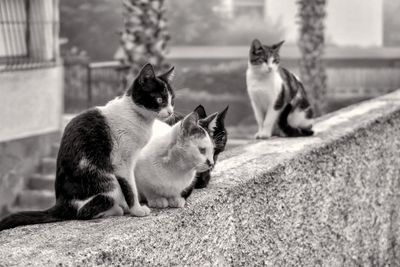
215	128
196	143
152	92
264	58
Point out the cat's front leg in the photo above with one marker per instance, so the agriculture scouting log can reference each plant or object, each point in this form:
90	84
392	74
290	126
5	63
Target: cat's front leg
132	198
259	115
269	122
176	202
137	209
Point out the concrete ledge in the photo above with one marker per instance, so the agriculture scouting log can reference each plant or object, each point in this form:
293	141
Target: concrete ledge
330	200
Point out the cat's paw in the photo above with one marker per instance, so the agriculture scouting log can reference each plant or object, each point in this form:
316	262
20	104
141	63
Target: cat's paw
158	203
176	202
140	211
262	135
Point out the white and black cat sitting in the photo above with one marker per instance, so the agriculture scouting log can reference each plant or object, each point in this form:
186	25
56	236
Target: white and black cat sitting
278	98
98	154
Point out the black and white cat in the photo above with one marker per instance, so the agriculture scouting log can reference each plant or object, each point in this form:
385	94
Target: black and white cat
98	153
278	98
168	163
219	135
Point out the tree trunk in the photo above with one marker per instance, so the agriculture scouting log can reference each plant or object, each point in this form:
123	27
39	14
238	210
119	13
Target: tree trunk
145	36
311	43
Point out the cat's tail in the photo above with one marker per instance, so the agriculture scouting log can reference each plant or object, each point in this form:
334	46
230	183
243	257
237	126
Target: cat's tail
287	128
29	217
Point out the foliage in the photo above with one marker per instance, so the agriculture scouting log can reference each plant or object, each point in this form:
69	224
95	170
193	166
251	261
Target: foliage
91	25
311	43
391	23
145	36
192	21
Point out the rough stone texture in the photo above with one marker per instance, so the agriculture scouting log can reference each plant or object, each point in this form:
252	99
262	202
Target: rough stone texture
328	200
18	160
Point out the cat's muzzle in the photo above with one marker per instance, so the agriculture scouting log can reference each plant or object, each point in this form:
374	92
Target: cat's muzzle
205	166
165	113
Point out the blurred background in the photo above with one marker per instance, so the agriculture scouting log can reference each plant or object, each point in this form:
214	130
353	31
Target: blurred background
59	57
209	42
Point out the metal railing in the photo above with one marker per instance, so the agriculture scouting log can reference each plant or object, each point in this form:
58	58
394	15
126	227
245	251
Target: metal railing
28	33
89	84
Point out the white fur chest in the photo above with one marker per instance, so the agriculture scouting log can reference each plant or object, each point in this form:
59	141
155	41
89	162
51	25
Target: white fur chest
263	88
129	131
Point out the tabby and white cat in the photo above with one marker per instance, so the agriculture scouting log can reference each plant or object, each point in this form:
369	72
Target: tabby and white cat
167	165
277	96
98	153
218	134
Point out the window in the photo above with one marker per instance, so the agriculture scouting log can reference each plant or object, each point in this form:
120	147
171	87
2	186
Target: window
28	33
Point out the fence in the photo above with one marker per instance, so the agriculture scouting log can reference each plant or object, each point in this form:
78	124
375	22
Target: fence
90	84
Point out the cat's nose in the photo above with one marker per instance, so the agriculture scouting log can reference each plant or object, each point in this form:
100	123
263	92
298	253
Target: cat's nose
209	163
170	111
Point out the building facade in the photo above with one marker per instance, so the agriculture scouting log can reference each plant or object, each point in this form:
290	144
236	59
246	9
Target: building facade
31	89
348	23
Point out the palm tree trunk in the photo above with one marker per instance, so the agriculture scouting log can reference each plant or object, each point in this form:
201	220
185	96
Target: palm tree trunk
145	36
312	70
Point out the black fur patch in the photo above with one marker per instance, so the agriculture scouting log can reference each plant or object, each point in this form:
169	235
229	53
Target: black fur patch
127	191
147	88
220	138
98	204
280	101
60	212
188	191
220	135
27	218
289	130
202	179
87	137
200	111
309	113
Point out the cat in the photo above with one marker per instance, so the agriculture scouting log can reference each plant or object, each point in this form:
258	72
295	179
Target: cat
168	163
219	135
278	98
98	152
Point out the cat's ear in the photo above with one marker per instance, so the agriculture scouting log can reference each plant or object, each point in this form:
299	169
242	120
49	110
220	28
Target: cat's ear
209	123
256	45
189	123
278	45
169	75
146	73
222	114
200	111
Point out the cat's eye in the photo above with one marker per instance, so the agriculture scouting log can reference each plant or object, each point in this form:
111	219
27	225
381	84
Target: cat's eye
202	150
159	100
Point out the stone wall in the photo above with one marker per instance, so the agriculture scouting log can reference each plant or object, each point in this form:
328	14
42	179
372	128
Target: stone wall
328	200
